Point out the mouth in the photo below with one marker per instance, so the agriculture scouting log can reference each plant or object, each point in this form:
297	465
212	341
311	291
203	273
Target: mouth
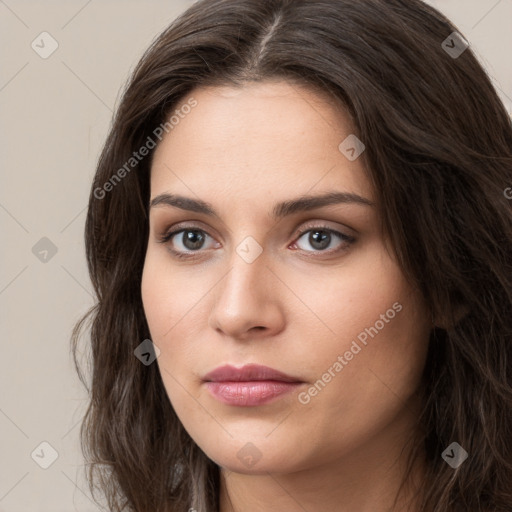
250	385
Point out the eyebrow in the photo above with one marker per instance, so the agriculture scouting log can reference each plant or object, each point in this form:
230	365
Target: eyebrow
282	209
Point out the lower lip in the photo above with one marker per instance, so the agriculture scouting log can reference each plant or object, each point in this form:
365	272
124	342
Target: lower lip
250	393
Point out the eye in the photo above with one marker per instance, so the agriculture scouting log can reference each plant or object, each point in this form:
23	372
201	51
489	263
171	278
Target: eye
190	240
185	242
320	238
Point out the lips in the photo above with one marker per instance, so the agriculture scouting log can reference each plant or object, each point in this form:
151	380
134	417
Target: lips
251	385
250	372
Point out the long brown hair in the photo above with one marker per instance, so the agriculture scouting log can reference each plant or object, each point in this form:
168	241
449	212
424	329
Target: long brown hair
439	155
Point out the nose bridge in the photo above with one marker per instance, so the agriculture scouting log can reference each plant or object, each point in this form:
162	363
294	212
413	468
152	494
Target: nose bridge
242	298
246	278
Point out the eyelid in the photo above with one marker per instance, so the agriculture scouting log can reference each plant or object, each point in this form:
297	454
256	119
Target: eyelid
313	223
192	224
322	224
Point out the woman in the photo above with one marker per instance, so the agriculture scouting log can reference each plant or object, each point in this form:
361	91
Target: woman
334	332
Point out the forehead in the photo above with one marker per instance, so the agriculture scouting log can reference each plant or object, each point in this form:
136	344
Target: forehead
255	140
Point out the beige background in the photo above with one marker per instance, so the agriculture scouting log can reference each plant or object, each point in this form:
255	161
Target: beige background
55	114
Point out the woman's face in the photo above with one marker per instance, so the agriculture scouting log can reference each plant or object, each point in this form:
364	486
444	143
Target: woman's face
264	282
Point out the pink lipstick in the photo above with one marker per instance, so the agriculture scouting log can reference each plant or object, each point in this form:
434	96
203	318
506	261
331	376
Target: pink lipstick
250	385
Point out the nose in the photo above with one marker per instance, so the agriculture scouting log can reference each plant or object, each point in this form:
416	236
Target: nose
247	300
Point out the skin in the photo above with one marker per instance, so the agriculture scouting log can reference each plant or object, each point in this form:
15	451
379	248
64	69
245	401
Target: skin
295	308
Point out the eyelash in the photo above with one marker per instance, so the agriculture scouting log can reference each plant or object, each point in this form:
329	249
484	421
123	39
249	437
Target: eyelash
346	239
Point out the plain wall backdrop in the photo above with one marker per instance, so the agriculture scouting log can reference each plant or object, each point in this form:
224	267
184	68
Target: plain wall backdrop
56	109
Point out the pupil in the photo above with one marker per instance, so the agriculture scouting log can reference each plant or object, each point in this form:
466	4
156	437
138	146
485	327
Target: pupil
190	239
322	240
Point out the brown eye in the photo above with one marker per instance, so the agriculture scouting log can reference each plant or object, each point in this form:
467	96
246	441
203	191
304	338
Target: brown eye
191	239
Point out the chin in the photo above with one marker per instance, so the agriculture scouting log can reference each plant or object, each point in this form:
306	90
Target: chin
248	459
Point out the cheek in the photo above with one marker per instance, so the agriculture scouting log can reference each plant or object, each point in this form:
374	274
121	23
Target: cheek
173	302
354	399
165	310
167	295
372	318
343	302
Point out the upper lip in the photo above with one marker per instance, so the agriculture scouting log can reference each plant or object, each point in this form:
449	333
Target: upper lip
249	372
